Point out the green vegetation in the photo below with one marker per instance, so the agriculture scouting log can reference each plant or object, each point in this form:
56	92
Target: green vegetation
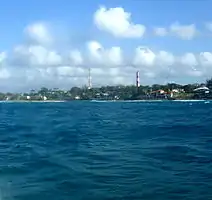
156	91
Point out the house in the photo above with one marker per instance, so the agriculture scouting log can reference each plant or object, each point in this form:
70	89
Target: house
201	92
203	89
77	97
159	94
177	90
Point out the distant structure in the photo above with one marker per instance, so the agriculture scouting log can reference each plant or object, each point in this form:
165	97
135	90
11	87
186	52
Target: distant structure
89	79
137	79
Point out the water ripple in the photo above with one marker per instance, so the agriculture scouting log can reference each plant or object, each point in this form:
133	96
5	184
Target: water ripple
86	150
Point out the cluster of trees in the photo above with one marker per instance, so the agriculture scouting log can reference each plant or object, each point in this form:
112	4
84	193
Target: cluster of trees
123	92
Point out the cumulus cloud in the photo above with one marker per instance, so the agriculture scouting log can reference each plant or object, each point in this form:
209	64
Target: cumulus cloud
38	33
118	22
144	57
38	62
35	55
76	57
3	56
189	59
206	59
160	31
186	32
147	58
4	73
106	57
208	26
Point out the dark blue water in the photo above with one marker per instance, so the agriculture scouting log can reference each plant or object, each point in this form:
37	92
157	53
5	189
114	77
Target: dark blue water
86	150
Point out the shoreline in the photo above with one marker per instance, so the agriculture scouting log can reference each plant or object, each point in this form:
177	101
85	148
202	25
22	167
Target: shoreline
33	101
156	100
63	101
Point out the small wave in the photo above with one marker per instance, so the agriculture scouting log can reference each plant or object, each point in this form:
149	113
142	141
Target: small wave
56	151
191	100
127	101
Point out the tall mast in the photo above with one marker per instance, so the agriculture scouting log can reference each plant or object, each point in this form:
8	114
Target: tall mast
89	79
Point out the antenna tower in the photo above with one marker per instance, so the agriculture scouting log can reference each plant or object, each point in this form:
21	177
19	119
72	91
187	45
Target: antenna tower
89	79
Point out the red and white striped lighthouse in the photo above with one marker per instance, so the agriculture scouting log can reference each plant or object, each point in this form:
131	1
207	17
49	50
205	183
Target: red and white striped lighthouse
137	79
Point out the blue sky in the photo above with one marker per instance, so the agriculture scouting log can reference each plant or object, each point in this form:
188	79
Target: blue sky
77	17
76	29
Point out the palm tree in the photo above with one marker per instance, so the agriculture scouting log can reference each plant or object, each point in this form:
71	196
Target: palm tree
209	83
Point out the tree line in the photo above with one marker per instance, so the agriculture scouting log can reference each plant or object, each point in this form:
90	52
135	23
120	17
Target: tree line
123	92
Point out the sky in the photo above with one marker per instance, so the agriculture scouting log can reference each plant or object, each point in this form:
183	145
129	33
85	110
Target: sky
54	43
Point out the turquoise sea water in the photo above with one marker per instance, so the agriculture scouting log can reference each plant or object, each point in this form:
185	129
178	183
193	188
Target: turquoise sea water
109	150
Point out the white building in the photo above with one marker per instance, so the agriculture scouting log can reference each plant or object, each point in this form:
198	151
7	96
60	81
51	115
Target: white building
202	89
44	98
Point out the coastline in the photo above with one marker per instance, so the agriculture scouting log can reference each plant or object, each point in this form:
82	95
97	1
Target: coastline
156	100
102	101
33	101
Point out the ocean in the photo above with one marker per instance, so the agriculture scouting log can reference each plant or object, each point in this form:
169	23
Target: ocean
106	151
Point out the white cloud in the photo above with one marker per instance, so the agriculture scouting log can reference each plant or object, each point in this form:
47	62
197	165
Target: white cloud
144	56
189	59
147	58
154	64
35	63
190	66
186	32
3	57
165	58
149	74
206	59
35	55
4	73
76	57
117	22
38	33
160	31
95	51
208	26
99	55
69	71
195	73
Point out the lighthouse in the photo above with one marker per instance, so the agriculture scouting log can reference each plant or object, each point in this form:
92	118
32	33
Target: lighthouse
137	79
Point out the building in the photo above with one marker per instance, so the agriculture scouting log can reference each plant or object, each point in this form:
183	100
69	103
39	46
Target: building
201	92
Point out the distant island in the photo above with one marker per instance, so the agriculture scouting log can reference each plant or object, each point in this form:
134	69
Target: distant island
170	91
